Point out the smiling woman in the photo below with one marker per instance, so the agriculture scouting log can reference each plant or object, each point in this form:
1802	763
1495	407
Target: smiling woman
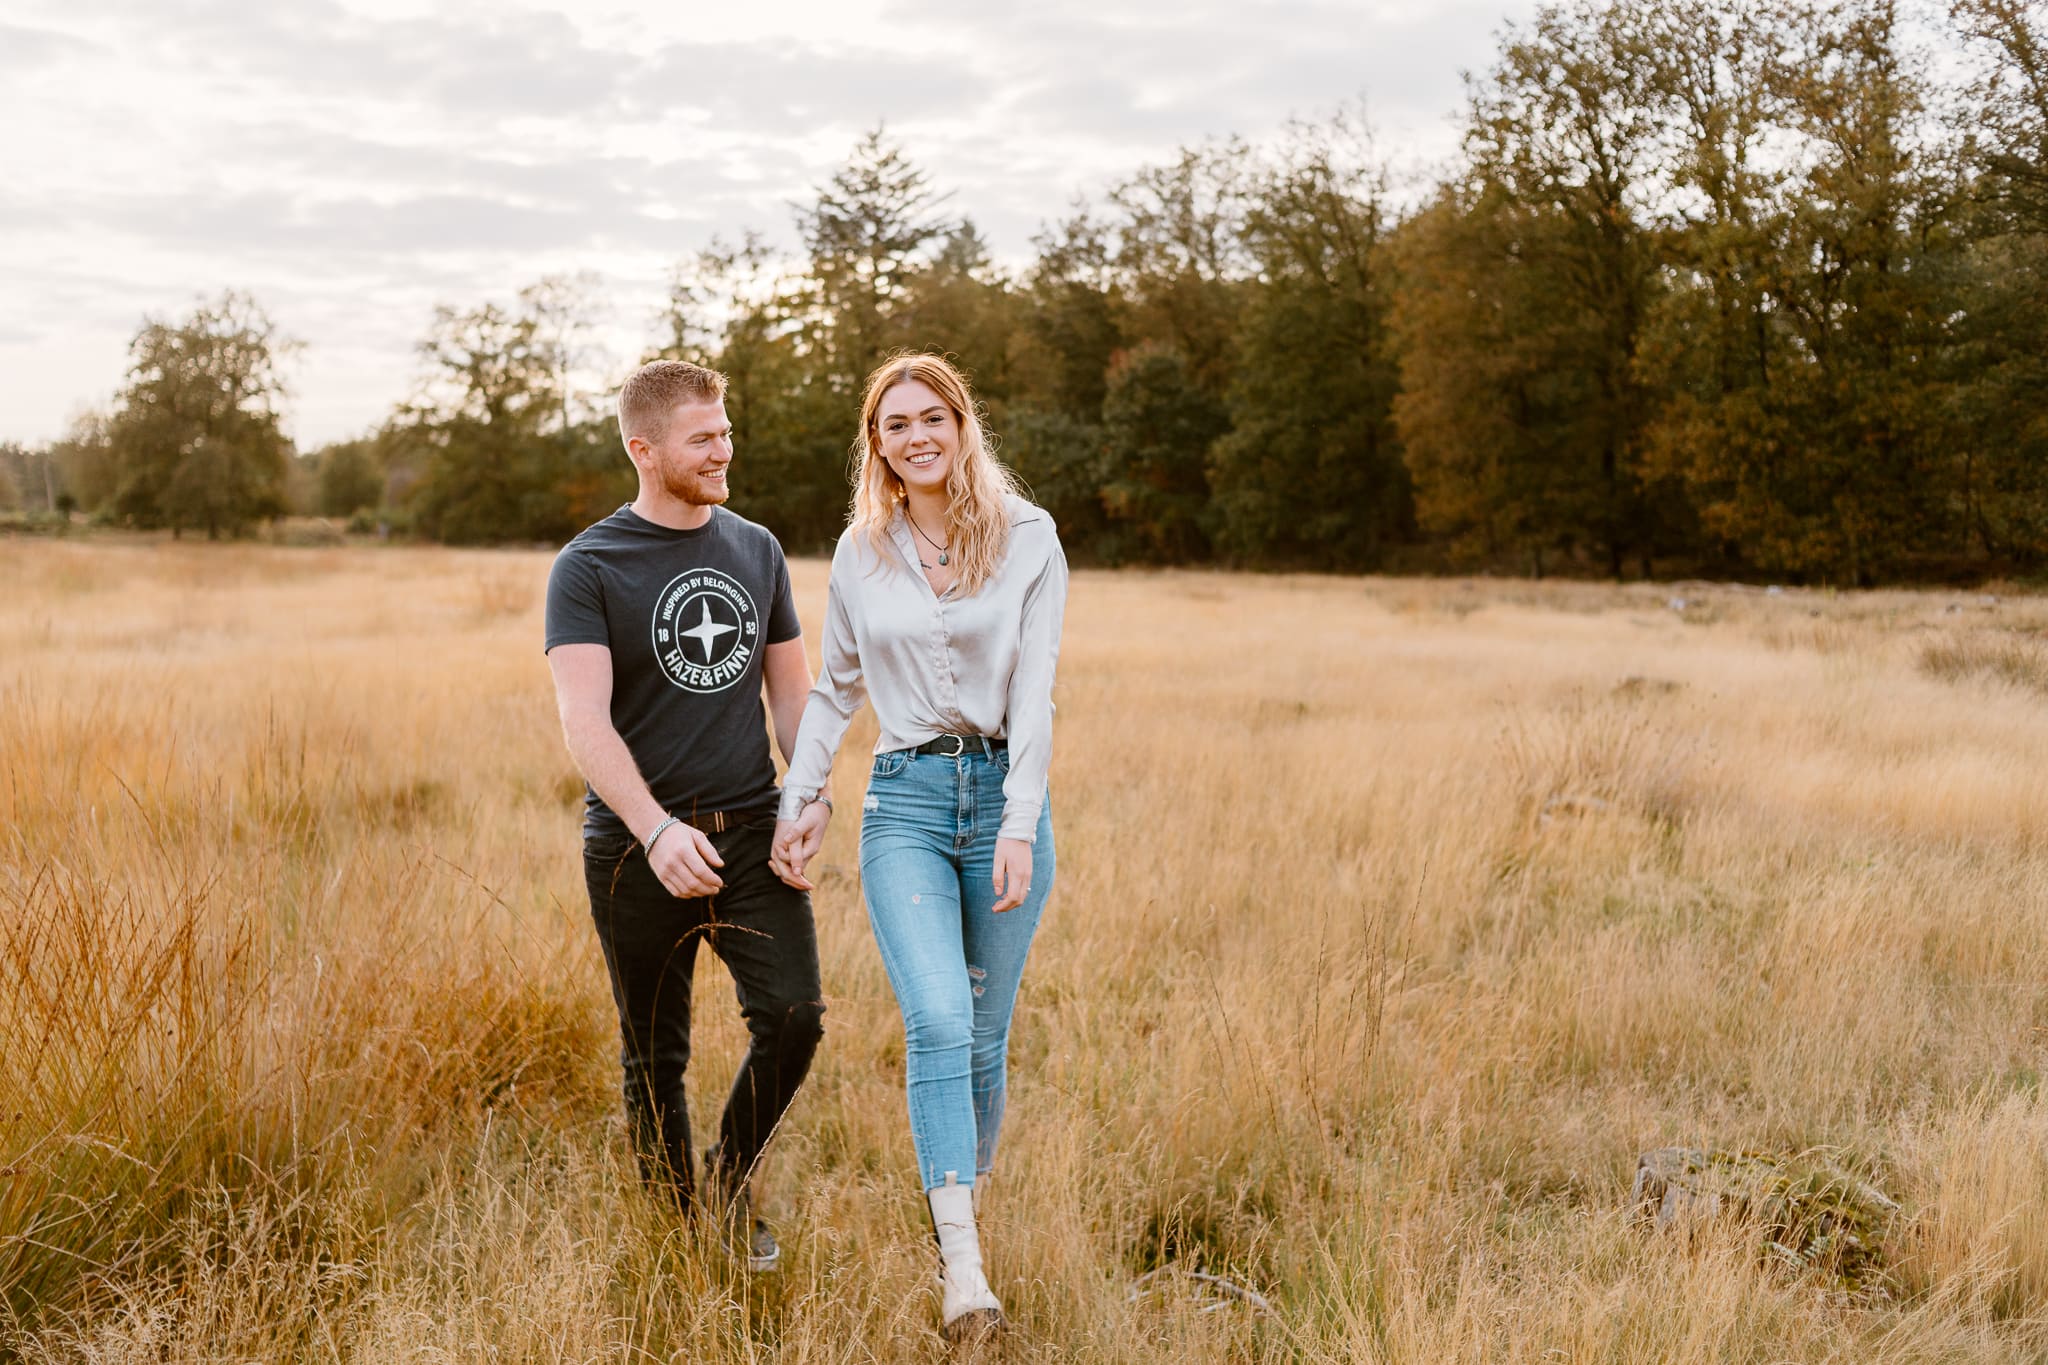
947	595
923	456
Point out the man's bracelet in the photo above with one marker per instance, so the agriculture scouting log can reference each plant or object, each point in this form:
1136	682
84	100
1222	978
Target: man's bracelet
822	800
660	830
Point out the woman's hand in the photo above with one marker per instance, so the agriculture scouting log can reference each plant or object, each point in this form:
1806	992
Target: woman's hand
1013	873
797	842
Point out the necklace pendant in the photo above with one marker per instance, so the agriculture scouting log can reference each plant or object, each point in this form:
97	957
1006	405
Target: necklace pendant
943	560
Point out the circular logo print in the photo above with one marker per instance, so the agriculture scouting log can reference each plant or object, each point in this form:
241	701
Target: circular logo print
705	630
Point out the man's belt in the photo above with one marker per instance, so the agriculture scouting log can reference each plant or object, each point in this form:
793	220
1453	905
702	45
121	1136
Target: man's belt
710	821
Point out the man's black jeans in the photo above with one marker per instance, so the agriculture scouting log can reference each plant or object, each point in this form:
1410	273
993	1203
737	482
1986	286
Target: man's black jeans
761	929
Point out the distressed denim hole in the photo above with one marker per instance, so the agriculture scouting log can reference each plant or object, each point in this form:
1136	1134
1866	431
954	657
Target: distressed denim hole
870	804
977	975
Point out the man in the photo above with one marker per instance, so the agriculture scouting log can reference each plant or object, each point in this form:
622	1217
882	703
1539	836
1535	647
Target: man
664	621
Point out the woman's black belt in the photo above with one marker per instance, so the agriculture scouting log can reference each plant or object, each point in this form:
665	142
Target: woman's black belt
952	746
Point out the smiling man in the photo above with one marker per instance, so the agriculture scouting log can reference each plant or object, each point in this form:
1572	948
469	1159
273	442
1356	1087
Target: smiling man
665	622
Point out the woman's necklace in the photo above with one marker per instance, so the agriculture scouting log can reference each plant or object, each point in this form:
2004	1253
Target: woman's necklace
943	560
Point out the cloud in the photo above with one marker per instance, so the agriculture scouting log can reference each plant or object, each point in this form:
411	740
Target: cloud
1201	69
356	168
492	65
760	89
27	49
597	186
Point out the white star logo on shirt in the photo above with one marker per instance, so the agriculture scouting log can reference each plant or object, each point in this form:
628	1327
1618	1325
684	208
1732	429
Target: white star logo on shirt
707	631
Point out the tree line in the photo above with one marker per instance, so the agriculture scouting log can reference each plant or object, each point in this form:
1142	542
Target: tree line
1725	286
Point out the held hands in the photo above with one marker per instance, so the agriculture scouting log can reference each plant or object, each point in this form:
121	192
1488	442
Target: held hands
797	842
682	857
1012	874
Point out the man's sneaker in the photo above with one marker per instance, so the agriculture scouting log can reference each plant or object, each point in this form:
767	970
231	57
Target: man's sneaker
733	1206
762	1251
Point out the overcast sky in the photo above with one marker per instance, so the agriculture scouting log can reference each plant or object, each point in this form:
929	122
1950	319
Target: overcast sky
354	162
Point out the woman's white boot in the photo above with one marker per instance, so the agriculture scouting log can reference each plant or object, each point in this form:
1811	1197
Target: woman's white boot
969	1308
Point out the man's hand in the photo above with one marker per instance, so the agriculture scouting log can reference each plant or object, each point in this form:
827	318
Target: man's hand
797	842
683	858
1013	873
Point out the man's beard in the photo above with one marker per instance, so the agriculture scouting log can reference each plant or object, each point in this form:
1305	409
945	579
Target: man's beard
692	489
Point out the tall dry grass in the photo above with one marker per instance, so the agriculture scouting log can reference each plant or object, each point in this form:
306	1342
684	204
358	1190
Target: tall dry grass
1395	919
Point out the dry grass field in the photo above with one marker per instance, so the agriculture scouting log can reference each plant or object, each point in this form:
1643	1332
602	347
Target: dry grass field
1394	920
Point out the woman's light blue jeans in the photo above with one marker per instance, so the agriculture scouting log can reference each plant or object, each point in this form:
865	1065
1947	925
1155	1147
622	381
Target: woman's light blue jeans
927	854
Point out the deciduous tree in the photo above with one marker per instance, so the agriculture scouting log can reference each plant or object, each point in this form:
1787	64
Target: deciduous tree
195	435
1310	472
1158	424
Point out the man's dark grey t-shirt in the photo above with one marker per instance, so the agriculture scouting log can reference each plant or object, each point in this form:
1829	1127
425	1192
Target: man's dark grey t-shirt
685	615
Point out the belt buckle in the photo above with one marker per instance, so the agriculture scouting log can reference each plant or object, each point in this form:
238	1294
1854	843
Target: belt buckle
959	746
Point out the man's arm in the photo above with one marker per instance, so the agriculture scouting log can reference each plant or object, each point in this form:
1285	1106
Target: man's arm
682	857
787	674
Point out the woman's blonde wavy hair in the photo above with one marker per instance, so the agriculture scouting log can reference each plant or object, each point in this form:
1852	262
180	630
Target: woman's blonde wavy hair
976	517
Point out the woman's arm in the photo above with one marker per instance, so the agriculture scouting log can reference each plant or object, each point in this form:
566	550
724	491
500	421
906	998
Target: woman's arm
800	819
1029	720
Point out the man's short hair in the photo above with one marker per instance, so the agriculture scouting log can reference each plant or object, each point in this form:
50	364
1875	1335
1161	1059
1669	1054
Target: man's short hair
651	393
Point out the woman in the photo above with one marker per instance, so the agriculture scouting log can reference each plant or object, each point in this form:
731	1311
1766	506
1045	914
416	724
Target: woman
944	610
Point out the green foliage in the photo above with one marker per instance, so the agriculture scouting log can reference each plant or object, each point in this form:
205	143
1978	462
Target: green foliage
1069	332
1064	462
37	482
195	440
867	232
1158	424
1497	384
498	449
1565	132
1816	438
2000	427
1181	257
792	474
959	305
1310	472
86	468
1999	431
734	310
349	478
